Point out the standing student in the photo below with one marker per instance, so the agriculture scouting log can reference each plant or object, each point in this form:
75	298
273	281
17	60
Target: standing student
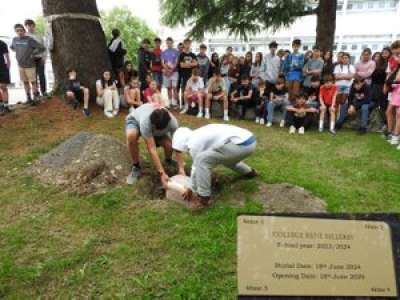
169	62
5	65
216	91
75	92
194	93
156	65
271	66
214	64
312	92
366	66
262	103
40	58
327	99
233	74
245	66
256	70
203	63
132	94
107	94
209	146
243	96
378	80
300	115
187	62
26	49
328	63
117	54
278	98
293	70
179	85
313	66
144	58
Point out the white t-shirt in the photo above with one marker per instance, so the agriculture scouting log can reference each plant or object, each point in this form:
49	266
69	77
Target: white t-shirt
346	70
214	136
195	86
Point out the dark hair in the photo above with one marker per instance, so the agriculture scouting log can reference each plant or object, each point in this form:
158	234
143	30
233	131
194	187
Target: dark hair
169	39
29	22
195	72
367	50
280	80
229	48
273	44
203	46
346	54
157	39
244	77
315	78
358	79
217	72
296	42
261	59
180	44
115	33
108	82
69	70
16	26
128	75
316	48
187	41
146	41
387	49
160	118
329	78
301	94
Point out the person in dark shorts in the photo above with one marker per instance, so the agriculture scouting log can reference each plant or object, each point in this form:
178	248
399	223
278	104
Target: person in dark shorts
5	64
76	92
187	61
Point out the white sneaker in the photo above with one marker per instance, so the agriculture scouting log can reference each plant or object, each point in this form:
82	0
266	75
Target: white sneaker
321	129
115	113
282	124
174	102
269	124
398	147
193	105
131	109
226	118
395	140
257	120
301	130
184	111
292	130
109	114
207	116
262	121
200	115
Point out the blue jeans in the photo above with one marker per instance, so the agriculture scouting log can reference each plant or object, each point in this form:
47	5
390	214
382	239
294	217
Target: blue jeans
363	110
271	106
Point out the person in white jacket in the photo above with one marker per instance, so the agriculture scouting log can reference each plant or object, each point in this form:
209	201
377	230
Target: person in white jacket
209	146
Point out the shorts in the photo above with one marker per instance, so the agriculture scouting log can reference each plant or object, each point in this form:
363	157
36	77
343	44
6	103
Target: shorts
170	81
27	74
78	94
5	76
193	98
343	89
132	123
158	77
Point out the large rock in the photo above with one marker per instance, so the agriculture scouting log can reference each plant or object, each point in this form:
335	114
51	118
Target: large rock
286	198
84	163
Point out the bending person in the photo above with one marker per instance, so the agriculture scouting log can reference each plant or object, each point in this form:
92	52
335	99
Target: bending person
209	146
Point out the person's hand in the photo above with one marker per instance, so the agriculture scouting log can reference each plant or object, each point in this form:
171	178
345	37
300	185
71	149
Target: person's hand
164	180
352	110
187	195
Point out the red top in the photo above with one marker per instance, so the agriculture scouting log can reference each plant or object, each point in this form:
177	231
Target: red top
326	94
148	93
393	64
156	61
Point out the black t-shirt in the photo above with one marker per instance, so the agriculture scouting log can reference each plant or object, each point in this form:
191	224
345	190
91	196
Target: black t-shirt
186	58
3	51
379	76
312	91
279	93
73	86
145	58
359	96
245	70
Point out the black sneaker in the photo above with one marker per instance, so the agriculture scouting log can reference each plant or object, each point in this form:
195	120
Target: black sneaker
171	163
134	176
86	112
75	104
253	173
362	131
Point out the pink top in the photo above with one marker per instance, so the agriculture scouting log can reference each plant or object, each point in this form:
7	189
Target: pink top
365	70
395	95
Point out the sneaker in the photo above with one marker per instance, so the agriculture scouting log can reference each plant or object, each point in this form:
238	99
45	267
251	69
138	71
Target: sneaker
301	130
292	130
193	105
282	124
269	124
131	109
362	131
115	113
226	118
257	120
398	147
174	103
199	115
395	140
134	176
184	111
109	114
332	131
262	121
321	129
86	112
253	173
207	116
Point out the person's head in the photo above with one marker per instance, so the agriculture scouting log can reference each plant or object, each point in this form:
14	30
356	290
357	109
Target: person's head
273	46
225	59
345	58
286	54
71	73
258	58
329	80
301	98
214	57
358	83
157	42
195	74
180	47
19	30
148	79
386	53
181	139
328	56
339	57
244	80
280	83
296	44
128	66
115	33
235	60
229	50
242	60
315	81
106	75
160	118
308	54
281	53
366	55
378	59
396	50
30	25
170	42
203	49
187	44
261	84
316	52
248	59
146	43
134	83
217	74
153	85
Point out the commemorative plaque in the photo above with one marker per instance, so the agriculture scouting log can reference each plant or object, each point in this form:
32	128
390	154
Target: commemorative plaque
286	256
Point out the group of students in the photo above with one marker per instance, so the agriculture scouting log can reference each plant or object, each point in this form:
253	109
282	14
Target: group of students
31	54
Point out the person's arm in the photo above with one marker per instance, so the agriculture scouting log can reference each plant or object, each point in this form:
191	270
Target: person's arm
179	156
151	147
292	108
272	97
8	60
249	96
194	62
334	99
99	89
233	96
321	100
306	71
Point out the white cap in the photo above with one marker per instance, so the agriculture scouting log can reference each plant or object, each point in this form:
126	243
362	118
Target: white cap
181	138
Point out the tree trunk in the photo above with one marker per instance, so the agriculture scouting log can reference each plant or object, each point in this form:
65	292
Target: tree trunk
326	24
78	43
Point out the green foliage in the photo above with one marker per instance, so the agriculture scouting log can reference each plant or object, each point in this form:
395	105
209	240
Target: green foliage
132	29
241	18
40	27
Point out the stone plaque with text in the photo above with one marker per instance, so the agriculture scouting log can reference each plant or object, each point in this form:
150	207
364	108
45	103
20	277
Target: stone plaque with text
286	256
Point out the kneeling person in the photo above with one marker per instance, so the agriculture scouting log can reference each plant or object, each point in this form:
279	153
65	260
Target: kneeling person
156	125
76	92
209	146
300	115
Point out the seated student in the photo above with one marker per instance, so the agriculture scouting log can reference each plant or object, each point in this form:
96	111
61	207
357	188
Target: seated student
360	101
132	94
76	92
278	98
312	92
262	103
300	115
5	64
327	100
194	92
144	85
107	95
216	91
152	94
243	95
210	146
128	73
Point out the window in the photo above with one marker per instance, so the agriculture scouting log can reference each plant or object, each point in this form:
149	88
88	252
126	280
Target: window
339	7
354	47
244	49
392	4
370	4
212	49
236	49
344	47
375	47
305	47
349	6
252	49
360	5
335	47
364	47
381	4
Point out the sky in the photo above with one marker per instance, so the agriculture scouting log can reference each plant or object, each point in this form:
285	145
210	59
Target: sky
16	11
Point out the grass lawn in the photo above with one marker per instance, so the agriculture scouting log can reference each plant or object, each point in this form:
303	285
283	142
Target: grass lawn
122	244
